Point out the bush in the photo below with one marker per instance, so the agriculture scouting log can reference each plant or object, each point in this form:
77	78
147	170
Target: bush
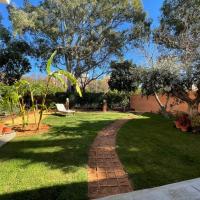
118	100
183	122
195	121
88	101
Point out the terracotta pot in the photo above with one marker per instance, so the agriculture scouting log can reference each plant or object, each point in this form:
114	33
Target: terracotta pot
7	130
1	128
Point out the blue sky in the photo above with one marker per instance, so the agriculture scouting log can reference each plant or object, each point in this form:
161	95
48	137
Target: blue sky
151	7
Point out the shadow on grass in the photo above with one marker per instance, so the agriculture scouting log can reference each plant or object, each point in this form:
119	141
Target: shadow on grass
73	191
51	159
155	153
62	148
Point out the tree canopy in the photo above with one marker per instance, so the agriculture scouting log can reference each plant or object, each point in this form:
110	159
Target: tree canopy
125	76
179	30
179	34
13	57
87	33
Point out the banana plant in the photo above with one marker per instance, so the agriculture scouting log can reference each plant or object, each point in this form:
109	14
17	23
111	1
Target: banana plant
59	75
33	105
10	101
21	88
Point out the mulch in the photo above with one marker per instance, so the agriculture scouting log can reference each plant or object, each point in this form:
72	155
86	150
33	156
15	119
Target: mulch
30	130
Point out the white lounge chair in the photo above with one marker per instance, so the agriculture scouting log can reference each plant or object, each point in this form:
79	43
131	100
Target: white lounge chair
61	109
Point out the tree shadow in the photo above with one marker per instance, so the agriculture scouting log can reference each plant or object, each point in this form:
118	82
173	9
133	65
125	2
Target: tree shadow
62	148
57	192
155	153
65	148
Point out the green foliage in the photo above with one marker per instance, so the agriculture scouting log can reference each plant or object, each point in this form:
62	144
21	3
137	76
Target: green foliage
59	74
8	100
195	120
49	62
13	57
125	76
86	33
179	34
90	100
117	99
38	87
157	80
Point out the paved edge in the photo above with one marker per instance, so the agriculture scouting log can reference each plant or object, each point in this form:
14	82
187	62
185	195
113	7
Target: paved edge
185	190
6	138
106	175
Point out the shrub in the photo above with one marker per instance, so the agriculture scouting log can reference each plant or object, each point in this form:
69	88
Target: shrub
88	101
183	122
195	121
118	100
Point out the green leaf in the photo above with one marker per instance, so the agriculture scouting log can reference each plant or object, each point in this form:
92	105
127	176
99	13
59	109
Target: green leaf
78	90
68	75
59	77
49	62
72	79
137	4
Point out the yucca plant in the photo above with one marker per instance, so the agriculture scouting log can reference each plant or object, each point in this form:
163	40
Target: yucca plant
59	75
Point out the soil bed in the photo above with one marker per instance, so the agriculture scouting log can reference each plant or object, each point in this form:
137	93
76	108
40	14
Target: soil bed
30	130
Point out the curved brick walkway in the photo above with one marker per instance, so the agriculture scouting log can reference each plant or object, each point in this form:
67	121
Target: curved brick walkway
106	175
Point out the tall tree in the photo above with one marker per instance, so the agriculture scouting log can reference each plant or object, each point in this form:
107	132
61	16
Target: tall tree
13	57
179	33
88	33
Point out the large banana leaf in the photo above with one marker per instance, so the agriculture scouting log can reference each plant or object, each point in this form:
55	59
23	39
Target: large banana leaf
59	77
72	79
49	62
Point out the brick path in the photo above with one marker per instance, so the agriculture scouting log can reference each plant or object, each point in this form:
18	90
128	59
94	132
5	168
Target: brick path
105	172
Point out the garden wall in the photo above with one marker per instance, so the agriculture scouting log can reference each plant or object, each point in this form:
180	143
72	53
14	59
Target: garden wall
144	104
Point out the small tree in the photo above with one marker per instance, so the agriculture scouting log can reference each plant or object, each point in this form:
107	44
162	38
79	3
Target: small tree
20	89
58	75
179	34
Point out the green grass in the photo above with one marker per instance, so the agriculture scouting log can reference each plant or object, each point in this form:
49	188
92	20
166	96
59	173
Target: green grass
155	153
52	166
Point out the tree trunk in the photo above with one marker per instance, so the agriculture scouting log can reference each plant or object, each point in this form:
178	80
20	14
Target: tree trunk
163	108
69	69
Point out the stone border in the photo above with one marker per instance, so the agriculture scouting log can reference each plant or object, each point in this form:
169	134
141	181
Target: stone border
6	138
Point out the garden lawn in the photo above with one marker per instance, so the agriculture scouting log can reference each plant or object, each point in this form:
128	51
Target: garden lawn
52	166
154	153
